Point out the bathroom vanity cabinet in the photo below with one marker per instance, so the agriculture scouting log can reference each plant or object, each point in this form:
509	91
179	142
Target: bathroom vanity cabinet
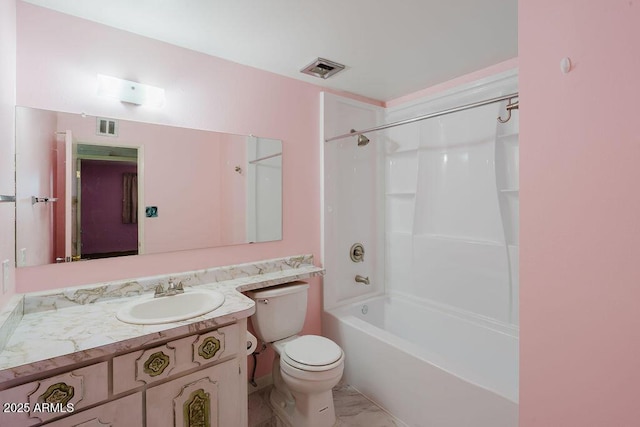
67	349
196	380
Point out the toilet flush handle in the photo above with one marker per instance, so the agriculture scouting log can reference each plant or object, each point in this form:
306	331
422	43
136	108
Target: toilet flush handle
263	300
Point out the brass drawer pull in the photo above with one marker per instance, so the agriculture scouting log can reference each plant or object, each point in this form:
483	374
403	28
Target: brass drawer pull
209	347
156	364
57	393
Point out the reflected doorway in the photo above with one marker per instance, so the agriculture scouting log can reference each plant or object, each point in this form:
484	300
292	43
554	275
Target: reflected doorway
107	201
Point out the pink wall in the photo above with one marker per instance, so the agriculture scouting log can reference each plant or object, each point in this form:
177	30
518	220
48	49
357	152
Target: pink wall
35	160
580	213
7	103
57	67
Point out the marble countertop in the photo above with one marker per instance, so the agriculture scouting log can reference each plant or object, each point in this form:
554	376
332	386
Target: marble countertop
52	330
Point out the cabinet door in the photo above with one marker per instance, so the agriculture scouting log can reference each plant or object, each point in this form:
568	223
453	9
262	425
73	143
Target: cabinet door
207	398
124	412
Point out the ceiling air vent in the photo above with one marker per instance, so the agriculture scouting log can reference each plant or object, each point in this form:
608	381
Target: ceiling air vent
322	68
106	127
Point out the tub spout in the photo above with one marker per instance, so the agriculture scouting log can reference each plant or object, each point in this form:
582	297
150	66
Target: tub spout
362	279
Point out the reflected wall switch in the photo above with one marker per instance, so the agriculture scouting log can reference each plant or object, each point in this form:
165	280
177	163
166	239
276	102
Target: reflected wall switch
151	211
5	275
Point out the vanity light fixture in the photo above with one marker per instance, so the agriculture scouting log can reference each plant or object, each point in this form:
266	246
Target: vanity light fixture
130	92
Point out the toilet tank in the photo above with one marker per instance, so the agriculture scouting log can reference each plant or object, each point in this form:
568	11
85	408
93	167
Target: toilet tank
280	310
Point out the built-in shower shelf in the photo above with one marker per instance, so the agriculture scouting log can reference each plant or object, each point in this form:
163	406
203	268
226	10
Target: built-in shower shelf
401	193
398	233
513	191
509	138
403	152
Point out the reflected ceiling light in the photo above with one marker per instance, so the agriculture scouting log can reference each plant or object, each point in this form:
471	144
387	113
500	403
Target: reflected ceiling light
130	92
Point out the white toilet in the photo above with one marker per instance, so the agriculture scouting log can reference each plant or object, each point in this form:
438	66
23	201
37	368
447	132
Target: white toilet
306	367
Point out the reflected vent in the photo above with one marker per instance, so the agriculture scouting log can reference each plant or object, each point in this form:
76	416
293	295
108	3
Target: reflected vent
322	68
106	127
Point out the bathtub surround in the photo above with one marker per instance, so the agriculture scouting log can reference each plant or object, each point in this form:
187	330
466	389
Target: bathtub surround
352	206
58	329
451	192
436	205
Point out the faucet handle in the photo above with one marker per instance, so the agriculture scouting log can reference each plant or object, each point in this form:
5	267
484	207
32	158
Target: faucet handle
159	291
179	287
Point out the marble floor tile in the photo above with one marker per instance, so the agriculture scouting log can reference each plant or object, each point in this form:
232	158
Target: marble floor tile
260	413
352	409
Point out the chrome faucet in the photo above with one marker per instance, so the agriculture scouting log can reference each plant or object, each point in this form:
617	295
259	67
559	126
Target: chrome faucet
172	289
362	279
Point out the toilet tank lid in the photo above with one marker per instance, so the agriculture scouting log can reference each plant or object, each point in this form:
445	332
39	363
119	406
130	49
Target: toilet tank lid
274	291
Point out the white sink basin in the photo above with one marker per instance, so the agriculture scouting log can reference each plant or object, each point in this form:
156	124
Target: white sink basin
166	309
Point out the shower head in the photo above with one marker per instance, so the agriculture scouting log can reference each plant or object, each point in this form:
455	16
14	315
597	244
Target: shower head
362	140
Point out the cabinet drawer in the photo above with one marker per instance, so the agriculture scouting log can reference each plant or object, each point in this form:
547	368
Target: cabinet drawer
55	396
138	368
215	345
124	412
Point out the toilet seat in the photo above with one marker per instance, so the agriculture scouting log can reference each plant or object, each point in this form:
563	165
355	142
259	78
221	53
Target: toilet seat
312	353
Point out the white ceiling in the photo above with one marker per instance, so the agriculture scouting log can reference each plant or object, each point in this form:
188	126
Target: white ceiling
390	47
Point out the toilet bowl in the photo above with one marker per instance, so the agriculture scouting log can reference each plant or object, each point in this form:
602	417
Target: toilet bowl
306	367
309	367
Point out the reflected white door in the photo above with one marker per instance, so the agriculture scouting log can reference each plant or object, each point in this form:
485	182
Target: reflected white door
76	204
264	190
69	188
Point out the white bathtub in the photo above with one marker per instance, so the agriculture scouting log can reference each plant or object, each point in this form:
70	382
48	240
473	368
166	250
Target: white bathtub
427	365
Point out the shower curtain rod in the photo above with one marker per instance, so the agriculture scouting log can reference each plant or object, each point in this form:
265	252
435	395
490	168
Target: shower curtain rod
431	115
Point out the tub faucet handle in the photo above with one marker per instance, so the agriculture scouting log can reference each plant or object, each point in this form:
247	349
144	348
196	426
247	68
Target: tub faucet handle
357	252
362	279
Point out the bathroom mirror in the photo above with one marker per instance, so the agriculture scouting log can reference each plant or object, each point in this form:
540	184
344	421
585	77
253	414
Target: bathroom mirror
91	187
